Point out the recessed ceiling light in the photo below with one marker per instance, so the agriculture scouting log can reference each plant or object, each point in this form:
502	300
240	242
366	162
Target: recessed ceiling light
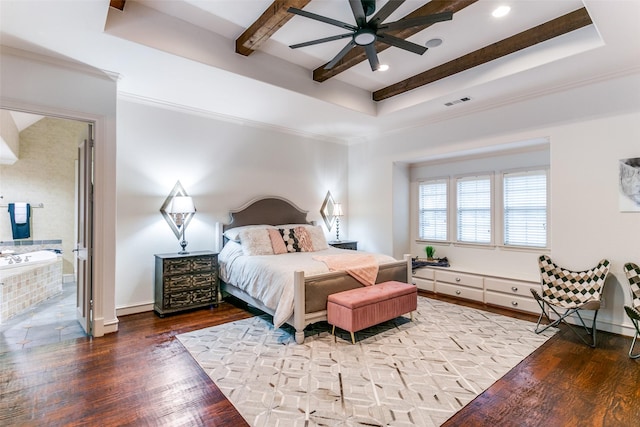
383	67
501	11
433	43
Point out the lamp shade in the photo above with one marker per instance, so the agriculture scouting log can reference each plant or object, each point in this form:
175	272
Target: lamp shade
181	204
337	210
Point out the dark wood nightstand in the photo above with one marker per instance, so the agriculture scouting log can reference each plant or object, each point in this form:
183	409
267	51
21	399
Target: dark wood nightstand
185	281
344	244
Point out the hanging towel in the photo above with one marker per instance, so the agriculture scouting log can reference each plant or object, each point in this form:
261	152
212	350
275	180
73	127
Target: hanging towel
20	214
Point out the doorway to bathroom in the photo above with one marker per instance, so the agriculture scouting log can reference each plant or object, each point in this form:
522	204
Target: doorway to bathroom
51	173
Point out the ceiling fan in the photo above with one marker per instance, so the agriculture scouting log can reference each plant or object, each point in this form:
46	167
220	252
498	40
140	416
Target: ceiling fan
366	33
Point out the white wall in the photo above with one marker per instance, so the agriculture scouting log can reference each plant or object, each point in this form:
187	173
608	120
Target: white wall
589	128
223	165
56	87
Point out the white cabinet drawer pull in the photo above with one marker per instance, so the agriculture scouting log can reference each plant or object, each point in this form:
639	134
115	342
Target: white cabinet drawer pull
458	292
514	289
514	303
457	279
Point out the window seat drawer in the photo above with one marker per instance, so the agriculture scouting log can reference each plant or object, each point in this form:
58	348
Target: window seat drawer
511	287
459	279
460	291
512	302
423	284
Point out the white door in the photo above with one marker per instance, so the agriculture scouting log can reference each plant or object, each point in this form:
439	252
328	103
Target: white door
84	245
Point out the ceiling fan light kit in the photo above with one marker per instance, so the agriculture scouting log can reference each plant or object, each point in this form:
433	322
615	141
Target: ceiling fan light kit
364	36
366	33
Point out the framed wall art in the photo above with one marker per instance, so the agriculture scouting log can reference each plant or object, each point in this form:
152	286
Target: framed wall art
629	185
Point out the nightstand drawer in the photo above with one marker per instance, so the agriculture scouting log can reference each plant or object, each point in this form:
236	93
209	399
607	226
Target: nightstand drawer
184	281
182	266
206	263
189	299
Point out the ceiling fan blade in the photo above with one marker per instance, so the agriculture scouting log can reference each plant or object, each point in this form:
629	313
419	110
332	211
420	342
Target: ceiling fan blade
415	22
321	18
323	40
340	55
401	43
358	12
388	8
372	56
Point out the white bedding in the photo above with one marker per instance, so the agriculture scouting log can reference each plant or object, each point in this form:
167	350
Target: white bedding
269	278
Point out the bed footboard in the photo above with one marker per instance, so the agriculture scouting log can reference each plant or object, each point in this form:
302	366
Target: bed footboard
310	293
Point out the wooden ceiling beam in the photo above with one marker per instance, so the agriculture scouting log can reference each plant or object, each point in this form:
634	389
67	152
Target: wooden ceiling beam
358	55
118	4
554	28
269	22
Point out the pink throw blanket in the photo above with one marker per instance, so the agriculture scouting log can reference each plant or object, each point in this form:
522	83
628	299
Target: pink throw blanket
361	267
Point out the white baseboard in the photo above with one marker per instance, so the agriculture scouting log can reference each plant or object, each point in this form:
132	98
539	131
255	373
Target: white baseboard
605	324
134	309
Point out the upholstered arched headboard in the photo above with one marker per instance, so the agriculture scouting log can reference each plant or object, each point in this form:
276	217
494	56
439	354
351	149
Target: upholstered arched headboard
270	210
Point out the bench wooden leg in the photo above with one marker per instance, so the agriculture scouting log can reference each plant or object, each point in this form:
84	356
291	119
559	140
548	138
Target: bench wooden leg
353	339
411	315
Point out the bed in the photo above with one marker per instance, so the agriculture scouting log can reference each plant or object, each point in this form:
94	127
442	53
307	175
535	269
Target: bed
295	287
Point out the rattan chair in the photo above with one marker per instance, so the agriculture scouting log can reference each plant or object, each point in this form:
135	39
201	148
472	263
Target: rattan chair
633	275
572	292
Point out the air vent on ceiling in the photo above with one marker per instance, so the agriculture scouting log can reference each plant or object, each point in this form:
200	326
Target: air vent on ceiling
457	101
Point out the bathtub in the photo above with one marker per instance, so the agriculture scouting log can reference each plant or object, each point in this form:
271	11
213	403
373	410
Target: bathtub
24	284
10	261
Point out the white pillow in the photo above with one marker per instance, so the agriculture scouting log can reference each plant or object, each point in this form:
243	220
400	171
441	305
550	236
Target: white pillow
234	233
256	241
318	239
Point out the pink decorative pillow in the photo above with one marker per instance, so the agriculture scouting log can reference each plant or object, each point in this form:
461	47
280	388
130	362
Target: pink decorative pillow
276	242
304	239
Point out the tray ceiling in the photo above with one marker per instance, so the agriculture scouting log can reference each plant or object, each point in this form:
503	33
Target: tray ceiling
201	54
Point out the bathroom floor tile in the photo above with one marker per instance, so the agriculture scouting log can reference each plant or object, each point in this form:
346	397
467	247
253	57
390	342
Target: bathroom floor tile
51	321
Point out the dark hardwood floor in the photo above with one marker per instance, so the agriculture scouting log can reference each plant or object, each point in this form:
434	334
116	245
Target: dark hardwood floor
142	375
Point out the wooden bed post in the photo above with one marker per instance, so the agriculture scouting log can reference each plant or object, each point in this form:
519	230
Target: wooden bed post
407	258
299	305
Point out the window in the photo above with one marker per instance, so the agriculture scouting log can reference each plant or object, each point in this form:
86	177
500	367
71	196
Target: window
525	208
474	209
432	199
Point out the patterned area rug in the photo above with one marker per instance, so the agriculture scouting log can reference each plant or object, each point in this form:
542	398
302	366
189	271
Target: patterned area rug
399	373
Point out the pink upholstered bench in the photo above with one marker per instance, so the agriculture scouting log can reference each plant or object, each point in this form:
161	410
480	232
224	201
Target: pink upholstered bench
364	307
